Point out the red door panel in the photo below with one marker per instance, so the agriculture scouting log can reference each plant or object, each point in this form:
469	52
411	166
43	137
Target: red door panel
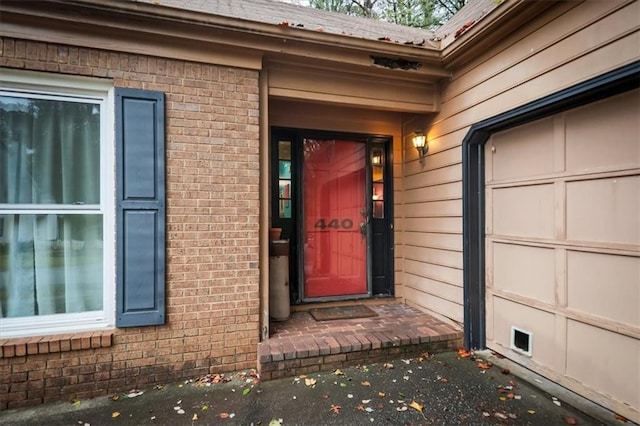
334	208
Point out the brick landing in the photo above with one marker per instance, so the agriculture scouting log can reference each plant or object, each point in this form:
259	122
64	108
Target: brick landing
303	345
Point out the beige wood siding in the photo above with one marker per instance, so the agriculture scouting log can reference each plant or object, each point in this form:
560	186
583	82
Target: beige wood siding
563	248
567	44
352	89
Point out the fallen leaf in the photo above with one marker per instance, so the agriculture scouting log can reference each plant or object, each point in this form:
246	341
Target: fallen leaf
310	382
402	408
620	418
76	403
133	393
275	422
388	365
484	366
505	371
224	415
205	407
366	401
531	411
194	418
246	391
416	406
350	396
343	385
365	383
500	416
570	420
114	397
557	403
381	394
335	409
502	398
115	414
486	414
338	372
463	353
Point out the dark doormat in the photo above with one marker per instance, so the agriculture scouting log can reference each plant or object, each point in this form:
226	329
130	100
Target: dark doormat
342	312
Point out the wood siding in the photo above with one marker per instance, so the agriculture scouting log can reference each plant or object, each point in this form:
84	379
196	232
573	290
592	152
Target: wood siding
567	44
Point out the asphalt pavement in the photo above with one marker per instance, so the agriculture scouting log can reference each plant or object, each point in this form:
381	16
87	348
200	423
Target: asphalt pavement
441	389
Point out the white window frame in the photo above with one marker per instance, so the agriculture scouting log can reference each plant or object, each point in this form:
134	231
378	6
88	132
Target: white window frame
101	92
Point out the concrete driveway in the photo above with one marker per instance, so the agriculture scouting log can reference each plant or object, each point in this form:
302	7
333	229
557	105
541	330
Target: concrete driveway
443	389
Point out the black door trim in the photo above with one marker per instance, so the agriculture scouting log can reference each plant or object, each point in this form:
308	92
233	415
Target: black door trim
291	227
606	85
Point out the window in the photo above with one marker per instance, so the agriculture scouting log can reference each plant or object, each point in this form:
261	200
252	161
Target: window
284	180
56	204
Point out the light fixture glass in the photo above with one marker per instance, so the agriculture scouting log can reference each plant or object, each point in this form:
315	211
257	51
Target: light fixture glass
376	159
420	143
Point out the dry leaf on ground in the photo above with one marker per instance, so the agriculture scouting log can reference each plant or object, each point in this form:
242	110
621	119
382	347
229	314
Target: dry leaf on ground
463	353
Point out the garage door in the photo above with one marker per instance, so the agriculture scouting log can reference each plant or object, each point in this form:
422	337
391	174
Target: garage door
563	248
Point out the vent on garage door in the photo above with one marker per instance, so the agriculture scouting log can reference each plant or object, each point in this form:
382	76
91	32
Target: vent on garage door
521	340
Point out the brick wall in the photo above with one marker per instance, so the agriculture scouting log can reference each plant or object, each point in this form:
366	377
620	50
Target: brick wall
212	236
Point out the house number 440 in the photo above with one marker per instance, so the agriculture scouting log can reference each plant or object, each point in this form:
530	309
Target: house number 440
334	223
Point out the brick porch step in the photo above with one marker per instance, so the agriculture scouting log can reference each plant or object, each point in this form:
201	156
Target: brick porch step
398	332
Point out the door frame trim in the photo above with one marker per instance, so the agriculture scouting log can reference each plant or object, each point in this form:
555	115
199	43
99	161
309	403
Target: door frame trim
604	86
297	260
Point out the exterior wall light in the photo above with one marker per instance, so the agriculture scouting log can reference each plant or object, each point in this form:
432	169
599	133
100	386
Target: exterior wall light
376	160
420	143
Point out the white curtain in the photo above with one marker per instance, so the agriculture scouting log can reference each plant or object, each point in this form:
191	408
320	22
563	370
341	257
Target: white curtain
50	255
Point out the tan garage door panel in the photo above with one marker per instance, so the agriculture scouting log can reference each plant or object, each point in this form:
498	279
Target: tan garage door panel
605	361
604	134
605	285
539	323
524	270
604	210
530	155
524	211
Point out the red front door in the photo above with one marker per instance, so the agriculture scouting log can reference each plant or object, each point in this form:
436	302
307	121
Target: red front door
334	223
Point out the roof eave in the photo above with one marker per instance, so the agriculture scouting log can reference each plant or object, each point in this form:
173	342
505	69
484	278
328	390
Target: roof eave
503	20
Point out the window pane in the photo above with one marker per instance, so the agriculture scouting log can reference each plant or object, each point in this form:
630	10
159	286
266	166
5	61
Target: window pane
285	170
285	209
284	150
50	264
49	151
285	189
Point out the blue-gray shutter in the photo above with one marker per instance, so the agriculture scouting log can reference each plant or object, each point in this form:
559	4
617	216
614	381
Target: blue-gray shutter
140	221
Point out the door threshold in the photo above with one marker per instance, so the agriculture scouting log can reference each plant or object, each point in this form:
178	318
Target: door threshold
330	304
